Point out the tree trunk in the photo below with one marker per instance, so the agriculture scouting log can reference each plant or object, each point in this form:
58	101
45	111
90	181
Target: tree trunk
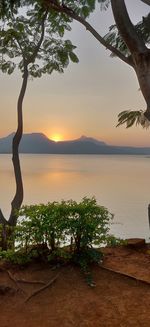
142	69
138	49
18	198
146	1
126	28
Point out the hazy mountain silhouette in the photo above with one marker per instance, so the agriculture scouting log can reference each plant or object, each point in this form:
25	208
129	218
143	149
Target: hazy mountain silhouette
39	143
84	138
30	143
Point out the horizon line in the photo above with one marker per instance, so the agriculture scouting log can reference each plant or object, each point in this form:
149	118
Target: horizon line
78	138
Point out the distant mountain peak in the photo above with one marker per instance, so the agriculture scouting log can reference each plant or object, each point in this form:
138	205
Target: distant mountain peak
36	134
85	138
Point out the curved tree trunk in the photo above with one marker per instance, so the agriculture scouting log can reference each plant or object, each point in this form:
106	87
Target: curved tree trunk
18	198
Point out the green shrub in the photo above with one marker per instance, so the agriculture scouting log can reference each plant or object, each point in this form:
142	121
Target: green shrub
43	231
42	224
88	224
114	241
19	258
82	225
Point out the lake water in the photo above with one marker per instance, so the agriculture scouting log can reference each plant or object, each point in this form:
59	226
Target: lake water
120	183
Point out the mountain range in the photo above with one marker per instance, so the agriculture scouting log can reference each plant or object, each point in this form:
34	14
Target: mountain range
39	143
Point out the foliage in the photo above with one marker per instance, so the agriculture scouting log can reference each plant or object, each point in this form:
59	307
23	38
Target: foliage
61	13
87	256
112	241
17	258
82	7
61	231
133	117
88	223
42	224
35	39
114	38
124	38
83	224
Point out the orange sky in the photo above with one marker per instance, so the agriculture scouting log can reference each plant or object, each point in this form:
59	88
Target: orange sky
86	99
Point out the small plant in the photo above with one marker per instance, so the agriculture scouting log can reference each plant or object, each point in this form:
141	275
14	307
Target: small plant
114	241
17	258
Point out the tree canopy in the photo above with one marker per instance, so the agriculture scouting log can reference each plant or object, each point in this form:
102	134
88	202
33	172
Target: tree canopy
35	38
127	41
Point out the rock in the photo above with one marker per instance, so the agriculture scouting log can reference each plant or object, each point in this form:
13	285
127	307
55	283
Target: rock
136	242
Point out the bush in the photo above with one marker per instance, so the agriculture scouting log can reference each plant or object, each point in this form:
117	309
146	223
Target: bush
43	231
88	224
82	225
42	224
17	258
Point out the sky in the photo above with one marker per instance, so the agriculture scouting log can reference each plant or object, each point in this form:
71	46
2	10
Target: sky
87	98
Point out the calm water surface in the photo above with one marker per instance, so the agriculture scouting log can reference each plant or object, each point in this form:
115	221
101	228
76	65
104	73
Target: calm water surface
121	183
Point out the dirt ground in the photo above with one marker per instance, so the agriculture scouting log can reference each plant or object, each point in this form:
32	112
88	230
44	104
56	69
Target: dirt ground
116	300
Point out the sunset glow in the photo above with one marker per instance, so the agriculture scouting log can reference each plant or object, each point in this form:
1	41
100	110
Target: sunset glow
56	137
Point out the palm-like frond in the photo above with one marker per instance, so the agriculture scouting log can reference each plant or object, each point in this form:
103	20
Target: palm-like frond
130	117
114	38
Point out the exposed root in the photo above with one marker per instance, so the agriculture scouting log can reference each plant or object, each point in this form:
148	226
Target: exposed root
42	288
126	275
12	278
18	288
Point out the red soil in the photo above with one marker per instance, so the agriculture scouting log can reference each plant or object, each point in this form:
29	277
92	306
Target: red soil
117	300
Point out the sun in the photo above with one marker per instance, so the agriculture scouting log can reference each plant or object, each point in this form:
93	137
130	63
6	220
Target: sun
56	137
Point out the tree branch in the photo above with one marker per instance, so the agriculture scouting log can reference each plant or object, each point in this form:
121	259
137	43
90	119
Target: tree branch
33	56
126	29
2	218
146	1
68	11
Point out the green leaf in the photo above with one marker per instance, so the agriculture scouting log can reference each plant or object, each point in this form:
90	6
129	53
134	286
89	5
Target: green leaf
73	57
85	11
